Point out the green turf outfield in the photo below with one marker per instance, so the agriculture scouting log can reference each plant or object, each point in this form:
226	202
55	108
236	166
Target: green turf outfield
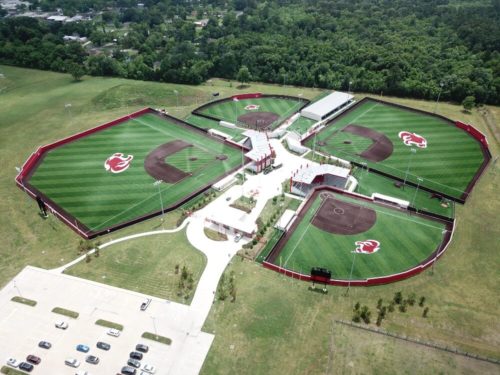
205	123
405	241
230	110
370	182
301	125
73	175
448	164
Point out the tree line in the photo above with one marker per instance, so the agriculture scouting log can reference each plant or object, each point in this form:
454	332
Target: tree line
402	47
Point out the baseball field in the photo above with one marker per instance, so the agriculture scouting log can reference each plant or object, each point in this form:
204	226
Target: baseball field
417	147
108	178
335	228
260	112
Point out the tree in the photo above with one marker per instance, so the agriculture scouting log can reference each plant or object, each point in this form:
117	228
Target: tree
244	75
425	312
468	103
422	301
76	71
398	298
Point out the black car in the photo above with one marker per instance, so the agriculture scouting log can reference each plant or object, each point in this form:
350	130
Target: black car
103	345
134	363
127	370
92	359
136	355
142	348
45	344
28	367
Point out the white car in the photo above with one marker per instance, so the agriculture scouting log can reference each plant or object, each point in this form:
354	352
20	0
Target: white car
81	372
237	237
72	362
61	324
12	362
113	332
148	369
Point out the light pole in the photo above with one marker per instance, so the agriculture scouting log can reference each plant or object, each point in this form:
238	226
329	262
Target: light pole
176	97
158	183
349	91
412	152
419	180
441	84
350	275
15	286
68	107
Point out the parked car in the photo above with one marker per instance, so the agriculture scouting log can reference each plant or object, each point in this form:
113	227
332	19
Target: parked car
113	332
127	370
45	344
12	362
82	348
61	324
103	345
149	369
134	363
28	367
237	238
136	355
142	348
33	359
81	372
92	359
72	362
145	304
277	166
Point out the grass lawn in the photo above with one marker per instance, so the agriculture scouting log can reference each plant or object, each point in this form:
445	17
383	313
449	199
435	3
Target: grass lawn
369	183
276	324
301	125
448	164
231	110
145	265
73	175
405	241
205	123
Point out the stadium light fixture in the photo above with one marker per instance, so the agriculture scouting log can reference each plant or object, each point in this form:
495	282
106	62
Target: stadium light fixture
419	180
158	183
441	84
176	97
349	91
413	151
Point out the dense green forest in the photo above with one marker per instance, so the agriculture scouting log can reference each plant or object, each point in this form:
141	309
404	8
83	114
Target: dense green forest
395	47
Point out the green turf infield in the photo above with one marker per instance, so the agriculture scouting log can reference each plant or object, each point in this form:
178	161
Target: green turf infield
405	241
205	123
74	177
447	165
230	110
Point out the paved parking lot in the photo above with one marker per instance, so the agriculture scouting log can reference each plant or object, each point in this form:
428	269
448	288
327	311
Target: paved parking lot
22	326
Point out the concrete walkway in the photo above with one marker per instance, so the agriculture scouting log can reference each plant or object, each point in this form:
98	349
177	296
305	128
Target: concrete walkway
218	253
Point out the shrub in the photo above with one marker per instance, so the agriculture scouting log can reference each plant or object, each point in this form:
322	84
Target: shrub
365	314
411	299
425	312
398	298
421	301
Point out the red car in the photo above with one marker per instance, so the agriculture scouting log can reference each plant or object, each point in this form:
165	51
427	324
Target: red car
33	359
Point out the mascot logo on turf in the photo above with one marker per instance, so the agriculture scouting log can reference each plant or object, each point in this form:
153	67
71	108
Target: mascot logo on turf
252	107
367	246
117	163
413	139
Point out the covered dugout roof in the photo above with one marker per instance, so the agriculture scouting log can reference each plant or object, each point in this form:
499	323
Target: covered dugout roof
306	175
318	110
260	145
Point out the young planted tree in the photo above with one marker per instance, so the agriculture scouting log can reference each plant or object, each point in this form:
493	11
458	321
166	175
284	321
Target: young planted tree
468	103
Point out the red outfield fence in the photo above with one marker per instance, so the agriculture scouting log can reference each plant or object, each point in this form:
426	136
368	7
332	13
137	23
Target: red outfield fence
476	134
247	96
450	228
36	157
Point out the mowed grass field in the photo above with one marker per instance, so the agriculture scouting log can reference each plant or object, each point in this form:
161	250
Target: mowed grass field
276	324
405	241
74	177
205	123
230	110
447	165
146	265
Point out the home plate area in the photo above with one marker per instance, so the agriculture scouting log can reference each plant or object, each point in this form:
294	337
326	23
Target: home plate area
339	217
